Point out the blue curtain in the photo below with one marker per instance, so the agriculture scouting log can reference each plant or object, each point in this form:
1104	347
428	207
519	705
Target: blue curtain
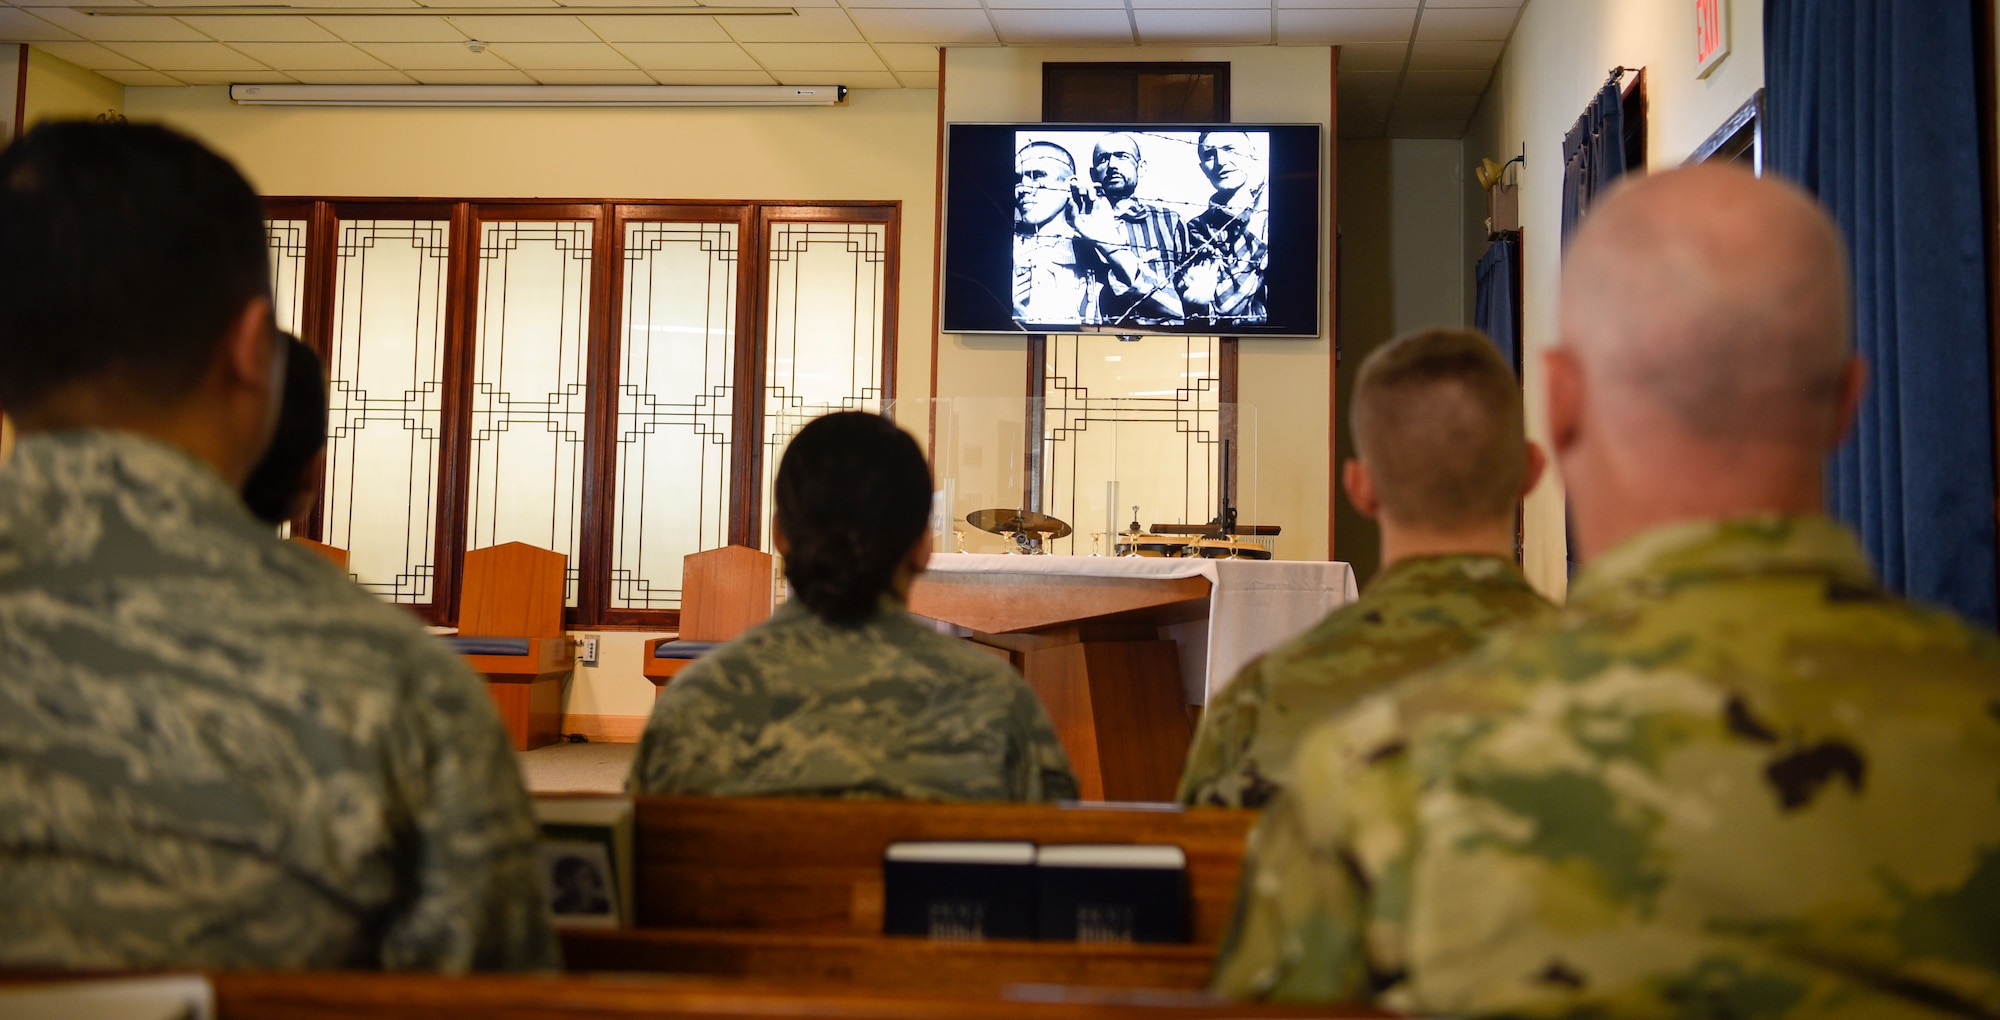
1593	157
1593	154
1872	106
1496	306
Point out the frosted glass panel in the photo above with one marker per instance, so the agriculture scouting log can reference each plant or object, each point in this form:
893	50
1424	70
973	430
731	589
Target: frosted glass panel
1144	415
287	240
385	402
824	345
676	371
529	388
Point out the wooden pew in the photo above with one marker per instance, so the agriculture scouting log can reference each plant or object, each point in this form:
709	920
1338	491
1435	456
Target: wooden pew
336	996
725	592
784	889
332	553
510	628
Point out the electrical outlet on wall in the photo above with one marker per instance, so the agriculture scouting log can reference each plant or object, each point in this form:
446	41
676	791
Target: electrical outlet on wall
589	656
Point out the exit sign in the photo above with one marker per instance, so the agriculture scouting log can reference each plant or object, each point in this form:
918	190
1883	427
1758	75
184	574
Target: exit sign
1711	35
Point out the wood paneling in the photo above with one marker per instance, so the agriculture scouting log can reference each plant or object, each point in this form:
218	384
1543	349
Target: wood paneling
725	592
513	590
331	553
815	866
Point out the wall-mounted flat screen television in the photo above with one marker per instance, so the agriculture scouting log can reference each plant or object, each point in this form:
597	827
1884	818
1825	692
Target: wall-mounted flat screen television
1132	229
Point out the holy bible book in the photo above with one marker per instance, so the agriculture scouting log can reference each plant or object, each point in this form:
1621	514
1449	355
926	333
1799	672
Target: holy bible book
1111	893
968	890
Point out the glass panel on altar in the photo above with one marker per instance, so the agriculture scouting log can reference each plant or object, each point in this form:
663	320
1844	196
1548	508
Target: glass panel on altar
1180	465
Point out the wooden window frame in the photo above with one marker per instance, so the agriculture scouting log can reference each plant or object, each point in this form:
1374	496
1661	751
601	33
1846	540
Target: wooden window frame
599	487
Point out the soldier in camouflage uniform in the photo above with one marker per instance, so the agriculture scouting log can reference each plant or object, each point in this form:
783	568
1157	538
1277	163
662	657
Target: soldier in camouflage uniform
1441	464
842	693
215	750
1734	777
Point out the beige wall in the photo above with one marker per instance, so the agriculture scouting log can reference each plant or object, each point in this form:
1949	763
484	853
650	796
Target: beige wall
880	146
1404	266
58	89
1287	381
1556	62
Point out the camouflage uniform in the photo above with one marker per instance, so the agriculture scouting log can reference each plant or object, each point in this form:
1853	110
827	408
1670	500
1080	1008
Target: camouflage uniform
1732	779
217	751
1416	614
805	708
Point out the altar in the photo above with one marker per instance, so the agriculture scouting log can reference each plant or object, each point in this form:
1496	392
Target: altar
1119	647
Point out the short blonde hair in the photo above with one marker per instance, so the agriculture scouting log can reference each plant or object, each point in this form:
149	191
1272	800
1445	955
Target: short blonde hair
1437	420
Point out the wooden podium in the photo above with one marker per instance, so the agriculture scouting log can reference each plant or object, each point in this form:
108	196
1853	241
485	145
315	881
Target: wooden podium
510	628
724	592
1091	649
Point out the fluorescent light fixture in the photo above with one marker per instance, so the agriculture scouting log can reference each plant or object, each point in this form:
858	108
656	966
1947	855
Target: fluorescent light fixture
286	11
537	95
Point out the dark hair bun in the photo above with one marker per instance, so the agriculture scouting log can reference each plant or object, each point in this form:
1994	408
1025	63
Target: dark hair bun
853	496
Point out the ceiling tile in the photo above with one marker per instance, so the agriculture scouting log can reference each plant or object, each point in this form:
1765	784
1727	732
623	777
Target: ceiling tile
688	56
1170	5
234	77
1065	27
524	30
1374	83
433	56
1363	107
1431	5
186	56
1409	107
1411	4
770	3
89	56
918	79
17	26
808	57
562	55
1208	27
1400	128
1446	83
1386	25
931	26
1366	56
456	76
830	25
1067	5
908	4
37	5
600	76
352	77
851	79
908	56
141	78
1454	56
1468	23
656	28
335	56
681	77
273	29
118	29
391	28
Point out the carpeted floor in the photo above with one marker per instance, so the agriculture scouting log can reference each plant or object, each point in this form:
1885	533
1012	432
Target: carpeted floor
577	768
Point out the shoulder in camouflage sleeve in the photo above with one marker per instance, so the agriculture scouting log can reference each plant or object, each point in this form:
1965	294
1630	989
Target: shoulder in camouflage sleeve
1734	778
1419	613
220	752
886	708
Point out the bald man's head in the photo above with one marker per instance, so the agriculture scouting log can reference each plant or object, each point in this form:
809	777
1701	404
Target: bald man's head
1437	421
1717	300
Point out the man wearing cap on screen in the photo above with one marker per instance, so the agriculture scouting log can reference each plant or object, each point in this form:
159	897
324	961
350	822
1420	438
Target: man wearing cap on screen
1051	281
1224	279
1140	246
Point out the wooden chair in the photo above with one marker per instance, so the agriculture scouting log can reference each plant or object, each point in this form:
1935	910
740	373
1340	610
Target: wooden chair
510	628
718	895
333	553
724	592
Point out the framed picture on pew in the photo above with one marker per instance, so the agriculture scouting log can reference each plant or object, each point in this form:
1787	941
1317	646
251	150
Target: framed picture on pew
586	864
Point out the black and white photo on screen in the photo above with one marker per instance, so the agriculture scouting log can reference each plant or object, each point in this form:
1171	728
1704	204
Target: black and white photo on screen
1141	228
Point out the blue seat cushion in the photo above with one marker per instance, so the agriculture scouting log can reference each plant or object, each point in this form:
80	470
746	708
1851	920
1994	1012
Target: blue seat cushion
489	645
684	649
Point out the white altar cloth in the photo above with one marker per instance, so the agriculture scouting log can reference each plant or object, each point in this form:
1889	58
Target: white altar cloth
1253	605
